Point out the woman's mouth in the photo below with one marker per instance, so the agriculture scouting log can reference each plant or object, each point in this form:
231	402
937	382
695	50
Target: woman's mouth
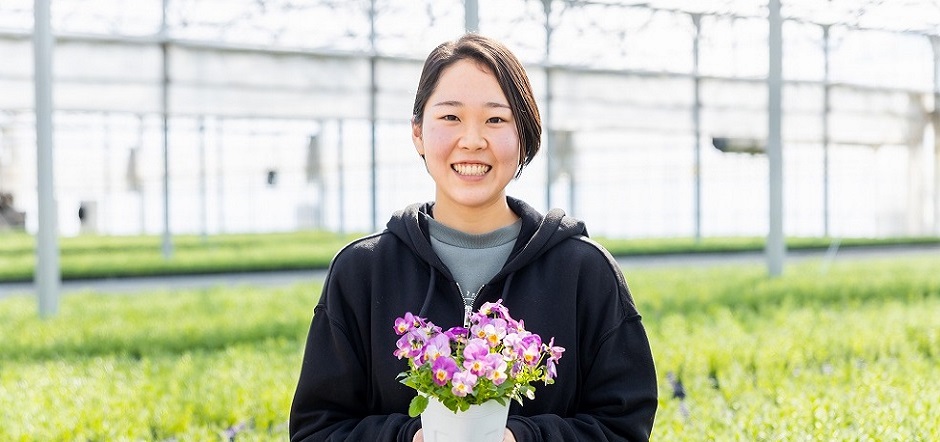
470	169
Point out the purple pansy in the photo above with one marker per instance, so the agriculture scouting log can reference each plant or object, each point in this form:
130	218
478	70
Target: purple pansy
437	346
530	349
472	364
443	369
463	382
475	356
497	368
411	344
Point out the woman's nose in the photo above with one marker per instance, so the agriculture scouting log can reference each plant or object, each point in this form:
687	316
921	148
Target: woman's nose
472	139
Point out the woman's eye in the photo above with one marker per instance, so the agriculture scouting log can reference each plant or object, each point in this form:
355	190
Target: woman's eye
449	118
496	120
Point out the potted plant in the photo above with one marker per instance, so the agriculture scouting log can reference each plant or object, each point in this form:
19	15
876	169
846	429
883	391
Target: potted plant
465	376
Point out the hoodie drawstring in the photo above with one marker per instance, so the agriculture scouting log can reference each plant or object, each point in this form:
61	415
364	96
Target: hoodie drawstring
430	293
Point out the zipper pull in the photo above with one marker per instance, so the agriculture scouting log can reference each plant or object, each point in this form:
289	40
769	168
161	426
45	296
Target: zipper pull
466	315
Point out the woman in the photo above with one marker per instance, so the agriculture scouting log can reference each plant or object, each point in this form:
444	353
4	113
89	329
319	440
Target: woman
476	126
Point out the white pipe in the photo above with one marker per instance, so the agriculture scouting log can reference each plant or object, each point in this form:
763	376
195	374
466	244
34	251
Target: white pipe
47	275
776	244
167	247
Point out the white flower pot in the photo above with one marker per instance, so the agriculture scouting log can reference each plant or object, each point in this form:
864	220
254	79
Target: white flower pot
481	423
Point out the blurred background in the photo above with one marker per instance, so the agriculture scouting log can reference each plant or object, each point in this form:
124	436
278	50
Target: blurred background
281	115
264	135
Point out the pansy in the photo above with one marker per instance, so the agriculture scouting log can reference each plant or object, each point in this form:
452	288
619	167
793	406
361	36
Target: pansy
475	354
457	334
406	323
497	368
443	370
530	349
464	382
411	344
495	309
437	346
493	358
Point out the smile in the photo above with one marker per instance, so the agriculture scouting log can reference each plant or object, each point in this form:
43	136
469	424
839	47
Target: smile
474	169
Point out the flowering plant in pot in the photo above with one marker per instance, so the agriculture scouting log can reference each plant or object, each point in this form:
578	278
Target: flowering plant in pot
492	358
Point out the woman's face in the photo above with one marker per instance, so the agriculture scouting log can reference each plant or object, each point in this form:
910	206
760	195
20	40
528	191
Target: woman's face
468	138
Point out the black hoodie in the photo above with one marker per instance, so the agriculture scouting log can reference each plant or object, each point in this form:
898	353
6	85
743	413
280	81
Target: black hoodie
562	284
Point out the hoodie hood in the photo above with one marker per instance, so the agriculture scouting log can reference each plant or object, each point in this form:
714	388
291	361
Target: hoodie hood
539	233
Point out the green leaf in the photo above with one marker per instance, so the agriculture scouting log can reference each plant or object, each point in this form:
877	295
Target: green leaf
418	404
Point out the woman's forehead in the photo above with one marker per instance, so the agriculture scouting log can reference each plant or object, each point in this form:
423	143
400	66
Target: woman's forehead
468	82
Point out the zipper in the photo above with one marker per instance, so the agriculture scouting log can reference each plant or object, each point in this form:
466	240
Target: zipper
467	308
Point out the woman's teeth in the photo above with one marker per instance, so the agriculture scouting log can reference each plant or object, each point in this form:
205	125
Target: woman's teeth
471	169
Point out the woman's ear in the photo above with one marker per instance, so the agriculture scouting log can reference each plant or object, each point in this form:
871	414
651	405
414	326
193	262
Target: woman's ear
416	137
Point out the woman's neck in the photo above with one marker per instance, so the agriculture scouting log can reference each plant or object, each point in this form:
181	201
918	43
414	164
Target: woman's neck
475	220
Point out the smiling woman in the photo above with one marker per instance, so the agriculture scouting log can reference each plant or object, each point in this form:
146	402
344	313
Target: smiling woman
476	126
469	144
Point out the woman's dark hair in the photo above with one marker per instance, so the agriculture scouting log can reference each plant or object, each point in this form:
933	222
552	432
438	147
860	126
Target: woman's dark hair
510	75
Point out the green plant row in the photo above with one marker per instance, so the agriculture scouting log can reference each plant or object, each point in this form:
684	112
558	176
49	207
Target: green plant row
301	252
660	246
20	243
846	354
748	289
196	365
169	322
124	256
801	374
241	390
154	324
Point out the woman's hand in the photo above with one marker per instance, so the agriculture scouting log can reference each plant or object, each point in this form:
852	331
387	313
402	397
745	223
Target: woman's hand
507	436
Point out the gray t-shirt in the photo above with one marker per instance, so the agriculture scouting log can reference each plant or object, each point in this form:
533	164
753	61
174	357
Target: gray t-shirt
472	259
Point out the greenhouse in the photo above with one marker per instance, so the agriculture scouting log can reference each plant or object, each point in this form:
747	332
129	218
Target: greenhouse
259	116
187	191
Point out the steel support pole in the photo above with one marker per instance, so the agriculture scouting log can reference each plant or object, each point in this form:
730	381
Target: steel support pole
373	161
203	182
935	43
547	111
471	16
220	172
167	247
341	176
373	111
776	244
47	276
825	131
697	127
136	184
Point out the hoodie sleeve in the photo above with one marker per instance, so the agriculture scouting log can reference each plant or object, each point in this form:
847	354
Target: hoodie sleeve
617	397
330	401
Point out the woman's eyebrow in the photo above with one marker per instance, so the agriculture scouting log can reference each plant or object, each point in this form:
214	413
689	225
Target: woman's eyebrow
455	103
